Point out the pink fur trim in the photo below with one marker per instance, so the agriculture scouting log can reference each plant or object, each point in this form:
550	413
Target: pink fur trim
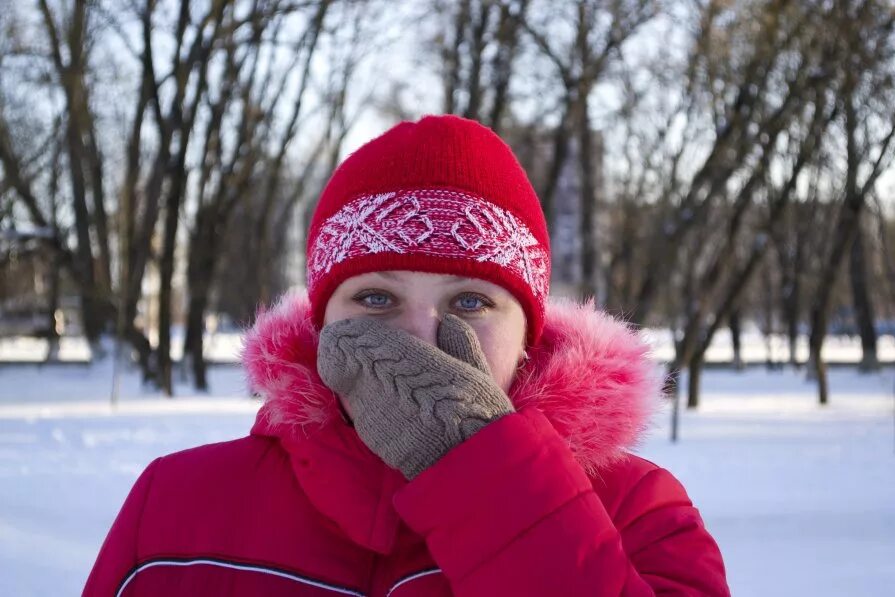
280	358
589	374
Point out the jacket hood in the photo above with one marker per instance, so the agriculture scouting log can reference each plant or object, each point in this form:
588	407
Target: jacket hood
589	374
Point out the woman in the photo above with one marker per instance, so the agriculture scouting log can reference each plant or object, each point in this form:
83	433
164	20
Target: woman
432	425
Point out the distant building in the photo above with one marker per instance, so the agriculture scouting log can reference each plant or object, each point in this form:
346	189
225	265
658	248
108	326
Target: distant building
32	302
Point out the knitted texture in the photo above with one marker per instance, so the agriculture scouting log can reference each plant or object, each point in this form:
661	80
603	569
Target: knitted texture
442	195
410	402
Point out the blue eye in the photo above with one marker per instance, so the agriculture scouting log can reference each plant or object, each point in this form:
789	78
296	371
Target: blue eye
469	302
374	300
473	302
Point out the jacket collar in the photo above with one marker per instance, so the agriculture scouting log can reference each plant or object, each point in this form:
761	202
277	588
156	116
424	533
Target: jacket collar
589	374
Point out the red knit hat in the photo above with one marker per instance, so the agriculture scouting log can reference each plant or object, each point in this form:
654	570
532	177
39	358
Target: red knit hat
441	195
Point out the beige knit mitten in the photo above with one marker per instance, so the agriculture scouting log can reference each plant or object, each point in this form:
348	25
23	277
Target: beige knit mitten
410	401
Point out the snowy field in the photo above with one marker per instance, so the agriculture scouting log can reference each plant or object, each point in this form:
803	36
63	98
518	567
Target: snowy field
801	500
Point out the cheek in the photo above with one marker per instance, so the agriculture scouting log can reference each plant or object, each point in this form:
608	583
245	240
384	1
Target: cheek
502	345
338	309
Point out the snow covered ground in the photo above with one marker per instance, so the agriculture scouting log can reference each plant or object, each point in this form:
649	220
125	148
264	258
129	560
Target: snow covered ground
218	347
801	499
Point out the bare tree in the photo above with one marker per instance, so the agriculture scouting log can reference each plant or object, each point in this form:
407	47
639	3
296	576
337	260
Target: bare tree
177	125
226	178
223	179
748	115
477	44
855	196
84	161
598	33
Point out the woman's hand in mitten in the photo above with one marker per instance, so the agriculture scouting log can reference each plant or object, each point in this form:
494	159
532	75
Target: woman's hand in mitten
410	401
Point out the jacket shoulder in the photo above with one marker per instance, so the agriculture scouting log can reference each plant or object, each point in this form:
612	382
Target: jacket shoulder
222	458
661	529
239	481
634	485
196	501
221	473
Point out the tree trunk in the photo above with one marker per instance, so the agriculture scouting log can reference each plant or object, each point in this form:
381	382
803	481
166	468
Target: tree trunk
736	329
671	389
166	274
502	67
844	234
89	313
864	312
558	159
589	259
477	47
452	57
695	378
166	270
768	317
194	347
127	303
200	275
55	260
52	306
686	339
790	289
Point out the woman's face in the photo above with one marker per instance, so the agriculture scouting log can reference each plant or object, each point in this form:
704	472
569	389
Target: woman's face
416	301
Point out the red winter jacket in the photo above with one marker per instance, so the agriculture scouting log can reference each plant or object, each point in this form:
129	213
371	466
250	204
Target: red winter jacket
542	502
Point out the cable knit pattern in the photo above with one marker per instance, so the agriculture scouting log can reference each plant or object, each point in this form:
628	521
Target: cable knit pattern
411	402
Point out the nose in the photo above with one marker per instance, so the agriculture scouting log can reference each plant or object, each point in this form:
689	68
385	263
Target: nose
421	320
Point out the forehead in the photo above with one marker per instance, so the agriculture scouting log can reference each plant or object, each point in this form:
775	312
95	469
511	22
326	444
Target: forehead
400	275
